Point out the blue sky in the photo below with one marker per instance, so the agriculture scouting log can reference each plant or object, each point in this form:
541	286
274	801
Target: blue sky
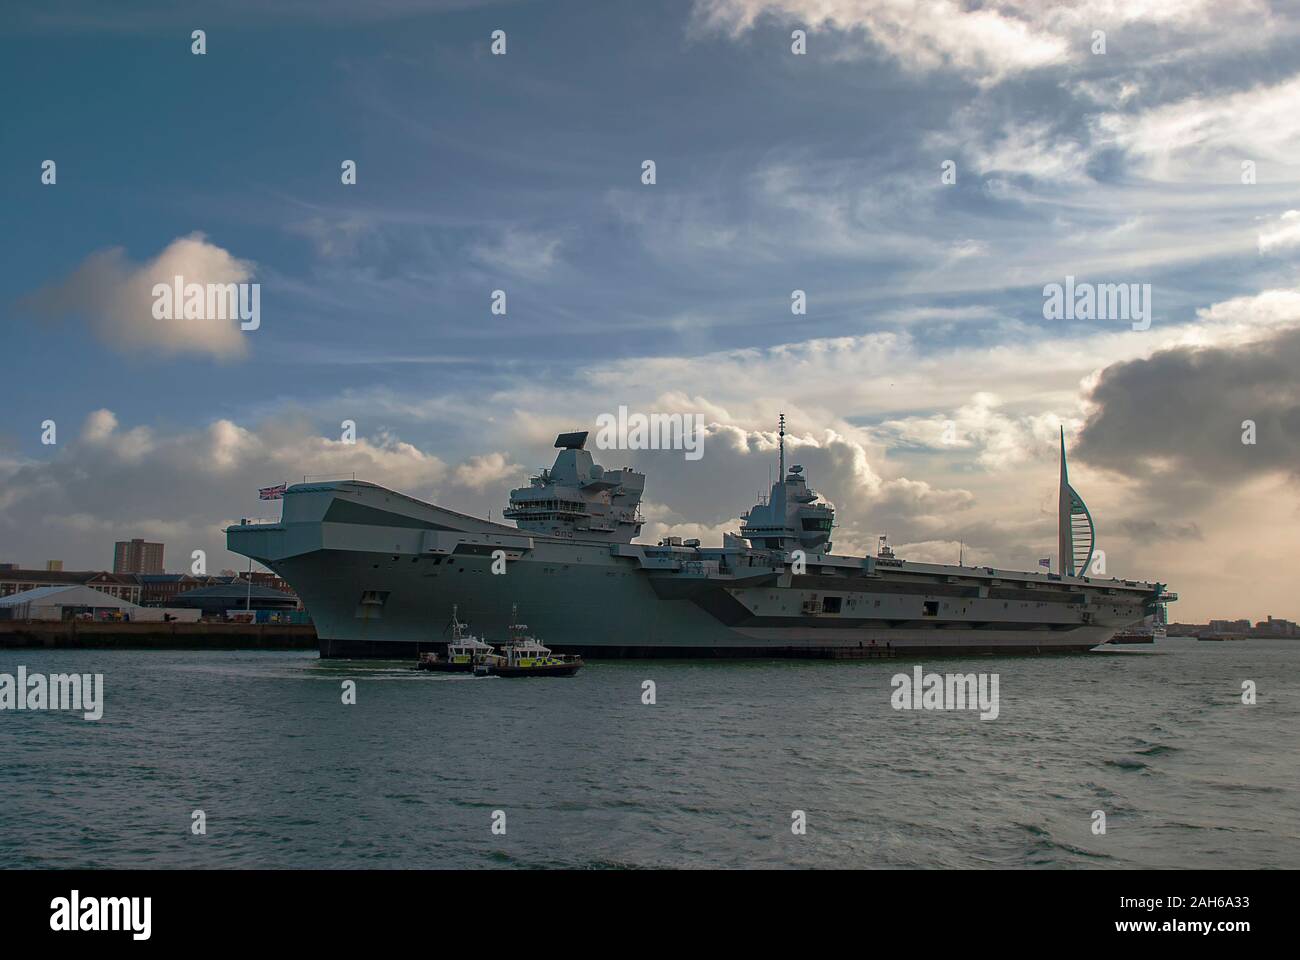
775	172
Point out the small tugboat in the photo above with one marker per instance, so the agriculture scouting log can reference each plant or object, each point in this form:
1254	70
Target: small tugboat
523	656
463	651
1148	631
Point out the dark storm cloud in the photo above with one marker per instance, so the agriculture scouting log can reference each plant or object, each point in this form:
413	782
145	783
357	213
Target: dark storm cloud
1177	416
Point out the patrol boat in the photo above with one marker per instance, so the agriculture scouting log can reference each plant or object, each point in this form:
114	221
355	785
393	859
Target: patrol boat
375	568
462	651
528	658
525	656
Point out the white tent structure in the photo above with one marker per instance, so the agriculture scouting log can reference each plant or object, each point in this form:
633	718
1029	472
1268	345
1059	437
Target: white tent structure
65	602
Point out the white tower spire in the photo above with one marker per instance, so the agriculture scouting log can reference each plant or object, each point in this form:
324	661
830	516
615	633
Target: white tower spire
1076	536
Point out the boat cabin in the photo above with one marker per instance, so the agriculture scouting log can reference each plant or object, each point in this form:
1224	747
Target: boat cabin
527	653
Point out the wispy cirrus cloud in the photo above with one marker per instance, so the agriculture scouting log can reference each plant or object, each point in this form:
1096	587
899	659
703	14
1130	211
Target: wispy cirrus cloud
989	42
1206	138
519	251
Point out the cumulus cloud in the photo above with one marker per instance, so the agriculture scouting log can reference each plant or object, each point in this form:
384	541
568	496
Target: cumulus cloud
1246	318
703	498
478	472
115	296
186	485
1282	235
111	482
998	439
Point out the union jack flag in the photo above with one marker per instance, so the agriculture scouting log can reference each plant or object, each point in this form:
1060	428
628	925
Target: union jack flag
272	493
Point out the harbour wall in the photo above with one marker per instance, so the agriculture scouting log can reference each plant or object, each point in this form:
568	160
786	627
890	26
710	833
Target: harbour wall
73	634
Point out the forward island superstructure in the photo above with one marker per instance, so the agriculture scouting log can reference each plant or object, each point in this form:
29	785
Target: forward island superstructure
380	573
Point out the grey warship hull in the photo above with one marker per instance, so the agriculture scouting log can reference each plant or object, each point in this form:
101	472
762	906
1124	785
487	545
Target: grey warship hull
379	572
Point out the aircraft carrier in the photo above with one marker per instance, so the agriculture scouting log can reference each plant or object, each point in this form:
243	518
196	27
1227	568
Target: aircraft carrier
379	573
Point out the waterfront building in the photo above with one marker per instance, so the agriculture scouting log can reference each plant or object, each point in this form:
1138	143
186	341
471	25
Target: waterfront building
115	585
137	556
1277	628
216	600
69	602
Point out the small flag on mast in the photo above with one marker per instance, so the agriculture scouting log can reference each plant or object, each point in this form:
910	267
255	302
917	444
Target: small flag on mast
1046	562
272	493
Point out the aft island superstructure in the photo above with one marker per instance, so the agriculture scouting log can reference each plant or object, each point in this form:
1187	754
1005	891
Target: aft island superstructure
380	573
